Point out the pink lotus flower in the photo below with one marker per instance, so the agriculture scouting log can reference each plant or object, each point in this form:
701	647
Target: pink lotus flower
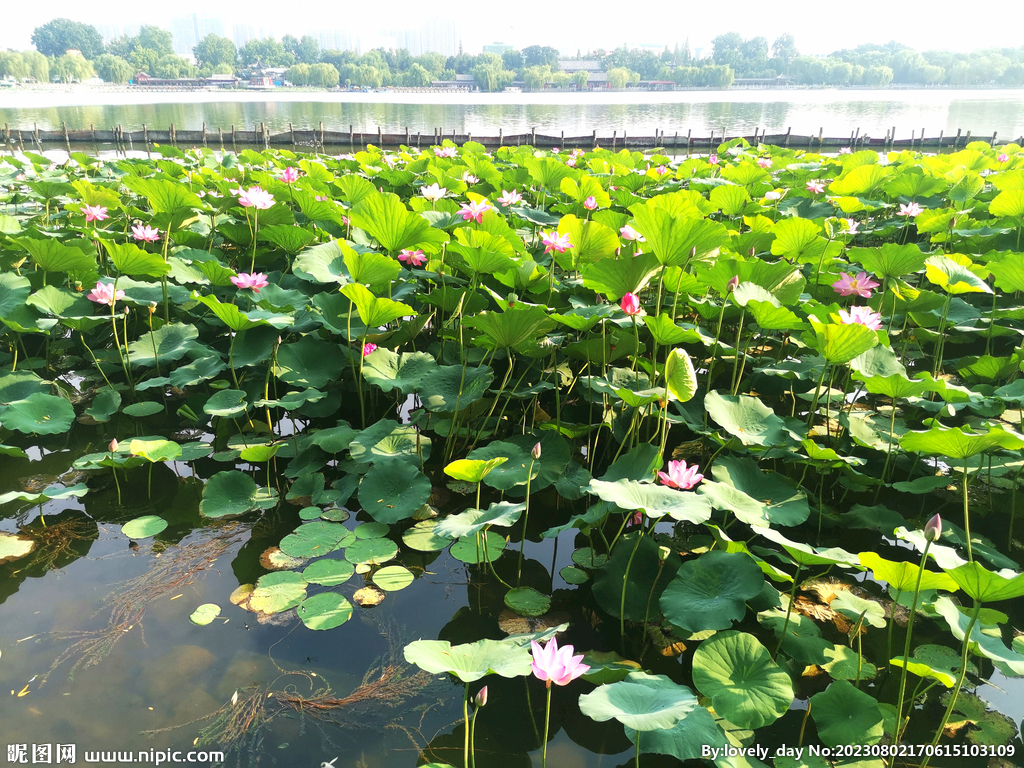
556	665
848	285
409	256
845	151
94	212
816	187
933	528
662	170
571	162
434	192
1003	157
733	284
253	281
510	198
910	209
680	476
254	197
469	178
851	226
590	203
861	316
446	151
474	211
764	162
772	194
576	153
555	242
345	221
145	233
104	293
290	175
628	233
368	347
554	150
322	199
713	158
630	304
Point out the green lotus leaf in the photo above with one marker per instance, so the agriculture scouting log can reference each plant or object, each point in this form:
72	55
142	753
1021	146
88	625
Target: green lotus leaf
373	269
142	409
748	419
680	376
754	496
641	701
422	537
655	500
853	608
237	320
106	403
386	219
39	414
804	554
371	530
309	362
334	439
985	586
328	573
392	578
572	575
470	661
229	493
711	591
315	539
844	663
526	601
985	640
902	576
512	328
393	490
473	470
326	610
277	592
591	240
676	238
956	443
502	513
287	237
371	551
373	311
646	581
391	371
47	494
845	715
954	276
227	403
324	263
860	180
730	199
794	237
511	476
1009	202
1008	272
745	685
205	614
448	387
51	255
890	260
482	252
164	196
131	260
143	527
841	343
615	278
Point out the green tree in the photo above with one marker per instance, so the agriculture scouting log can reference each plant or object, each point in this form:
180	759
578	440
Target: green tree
170	66
72	68
37	64
113	69
298	74
580	79
512	60
538	56
324	75
417	77
155	39
12	65
490	73
433	62
618	77
61	35
784	50
879	77
214	50
265	53
725	49
754	54
717	76
535	78
308	50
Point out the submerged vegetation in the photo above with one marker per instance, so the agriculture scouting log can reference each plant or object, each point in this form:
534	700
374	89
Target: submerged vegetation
739	386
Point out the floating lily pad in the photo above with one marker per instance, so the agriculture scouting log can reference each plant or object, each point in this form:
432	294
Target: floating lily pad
527	601
277	592
309	513
469	551
392	578
711	591
393	490
572	575
422	537
39	414
12	547
227	494
328	573
144	527
371	530
142	409
315	539
641	701
326	610
273	559
470	661
845	715
205	614
371	551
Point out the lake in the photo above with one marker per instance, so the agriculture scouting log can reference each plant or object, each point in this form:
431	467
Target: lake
836	112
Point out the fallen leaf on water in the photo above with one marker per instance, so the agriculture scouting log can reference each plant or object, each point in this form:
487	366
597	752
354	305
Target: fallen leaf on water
23	692
176	597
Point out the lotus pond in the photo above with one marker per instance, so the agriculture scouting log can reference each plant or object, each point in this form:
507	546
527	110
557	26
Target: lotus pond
315	459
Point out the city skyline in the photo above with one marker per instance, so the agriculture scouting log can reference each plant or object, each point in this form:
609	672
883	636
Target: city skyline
559	25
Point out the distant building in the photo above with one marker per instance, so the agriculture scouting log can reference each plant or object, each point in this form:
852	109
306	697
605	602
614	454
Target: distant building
187	31
593	66
498	48
763	82
460	83
432	36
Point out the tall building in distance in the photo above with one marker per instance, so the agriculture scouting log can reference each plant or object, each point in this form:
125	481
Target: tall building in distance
110	31
187	31
243	33
432	36
338	40
498	48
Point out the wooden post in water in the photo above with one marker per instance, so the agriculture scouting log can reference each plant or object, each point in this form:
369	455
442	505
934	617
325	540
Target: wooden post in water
614	134
675	141
993	142
821	132
501	137
789	130
291	132
204	133
67	141
92	130
220	135
623	139
145	135
562	142
689	137
321	134
233	148
957	139
911	140
35	133
380	137
756	129
407	136
351	141
892	138
533	136
593	144
856	137
711	142
967	139
418	139
469	137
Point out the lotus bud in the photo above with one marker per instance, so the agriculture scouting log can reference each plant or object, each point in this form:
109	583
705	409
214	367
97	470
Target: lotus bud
480	700
535	453
126	311
113	445
933	529
663	553
152	307
733	283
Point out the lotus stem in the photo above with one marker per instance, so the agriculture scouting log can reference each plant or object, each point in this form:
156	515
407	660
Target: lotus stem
547	726
526	520
255	229
940	344
465	717
817	393
736	359
636	748
967	512
711	363
906	650
231	358
959	682
622	600
647	610
789	610
472	738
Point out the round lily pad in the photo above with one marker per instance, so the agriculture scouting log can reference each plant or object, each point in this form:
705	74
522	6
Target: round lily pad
12	547
315	539
527	601
585	557
273	559
422	538
328	573
204	614
393	490
143	527
468	551
371	551
142	409
573	575
277	592
241	594
393	578
39	414
309	513
335	515
371	530
326	610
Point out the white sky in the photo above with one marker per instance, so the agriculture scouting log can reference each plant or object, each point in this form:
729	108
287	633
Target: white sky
818	27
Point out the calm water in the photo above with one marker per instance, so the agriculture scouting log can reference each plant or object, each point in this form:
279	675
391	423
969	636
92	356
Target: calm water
837	112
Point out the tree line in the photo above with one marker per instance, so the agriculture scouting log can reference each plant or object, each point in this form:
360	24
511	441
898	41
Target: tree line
732	56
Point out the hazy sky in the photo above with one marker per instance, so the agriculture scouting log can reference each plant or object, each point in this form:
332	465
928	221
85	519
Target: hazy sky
817	26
